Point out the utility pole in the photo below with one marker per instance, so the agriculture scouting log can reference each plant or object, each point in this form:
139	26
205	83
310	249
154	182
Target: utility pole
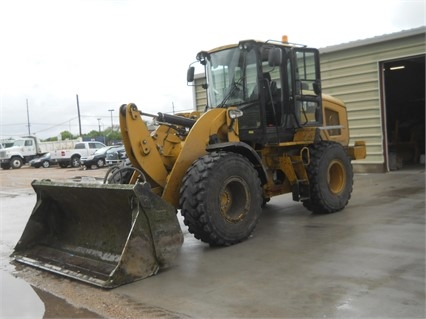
99	123
79	119
112	125
28	119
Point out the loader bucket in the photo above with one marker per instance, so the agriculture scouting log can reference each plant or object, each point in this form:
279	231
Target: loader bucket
103	234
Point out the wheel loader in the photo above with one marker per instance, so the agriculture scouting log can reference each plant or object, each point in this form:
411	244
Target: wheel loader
267	130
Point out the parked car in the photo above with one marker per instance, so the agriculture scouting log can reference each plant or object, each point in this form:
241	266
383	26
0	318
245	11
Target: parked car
71	157
116	155
43	161
98	158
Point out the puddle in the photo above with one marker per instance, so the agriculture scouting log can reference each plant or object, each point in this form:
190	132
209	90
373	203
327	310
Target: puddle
21	300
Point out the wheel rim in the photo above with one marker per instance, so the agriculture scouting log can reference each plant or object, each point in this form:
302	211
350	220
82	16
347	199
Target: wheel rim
75	162
46	164
234	200
16	163
336	177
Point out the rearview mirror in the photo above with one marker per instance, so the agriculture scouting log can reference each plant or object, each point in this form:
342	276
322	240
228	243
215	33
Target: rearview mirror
275	57
190	74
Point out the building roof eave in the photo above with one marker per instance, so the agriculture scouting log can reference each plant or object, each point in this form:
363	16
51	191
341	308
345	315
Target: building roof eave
373	40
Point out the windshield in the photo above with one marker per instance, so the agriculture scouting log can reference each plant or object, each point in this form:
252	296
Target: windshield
19	143
231	77
102	150
116	149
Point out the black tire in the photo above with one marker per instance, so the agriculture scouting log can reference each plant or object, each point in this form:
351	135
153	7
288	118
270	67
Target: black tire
5	166
16	162
265	201
63	165
45	164
75	161
37	166
330	177
100	163
221	198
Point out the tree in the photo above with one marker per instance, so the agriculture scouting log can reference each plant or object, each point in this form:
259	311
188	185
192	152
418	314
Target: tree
92	134
64	135
107	136
67	135
112	135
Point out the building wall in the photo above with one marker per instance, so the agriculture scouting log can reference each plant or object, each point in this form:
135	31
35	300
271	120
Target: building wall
352	73
200	96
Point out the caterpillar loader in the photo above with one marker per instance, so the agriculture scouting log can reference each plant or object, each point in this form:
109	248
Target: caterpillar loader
266	130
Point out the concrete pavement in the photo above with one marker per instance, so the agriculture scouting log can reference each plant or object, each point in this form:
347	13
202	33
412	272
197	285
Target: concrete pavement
365	261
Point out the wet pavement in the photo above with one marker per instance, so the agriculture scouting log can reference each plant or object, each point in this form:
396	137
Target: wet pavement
22	300
366	261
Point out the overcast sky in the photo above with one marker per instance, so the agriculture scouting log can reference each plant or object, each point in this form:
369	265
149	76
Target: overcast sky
115	52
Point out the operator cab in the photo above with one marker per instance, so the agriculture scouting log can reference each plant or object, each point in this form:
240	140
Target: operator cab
276	86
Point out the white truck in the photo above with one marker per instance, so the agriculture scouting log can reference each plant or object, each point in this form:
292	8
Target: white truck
71	157
20	150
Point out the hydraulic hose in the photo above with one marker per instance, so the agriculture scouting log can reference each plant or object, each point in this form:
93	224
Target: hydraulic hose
175	119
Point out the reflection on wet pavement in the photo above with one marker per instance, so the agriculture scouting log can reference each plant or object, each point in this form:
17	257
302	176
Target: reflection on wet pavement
58	308
21	300
18	299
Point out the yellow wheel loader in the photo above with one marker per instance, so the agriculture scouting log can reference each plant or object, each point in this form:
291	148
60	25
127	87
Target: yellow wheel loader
267	130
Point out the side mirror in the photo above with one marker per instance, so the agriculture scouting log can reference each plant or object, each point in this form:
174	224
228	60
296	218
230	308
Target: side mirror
190	74
275	57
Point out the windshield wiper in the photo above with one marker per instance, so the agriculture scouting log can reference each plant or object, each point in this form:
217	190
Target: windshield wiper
234	88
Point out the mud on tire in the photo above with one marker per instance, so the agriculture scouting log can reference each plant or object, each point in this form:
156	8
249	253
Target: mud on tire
330	177
220	198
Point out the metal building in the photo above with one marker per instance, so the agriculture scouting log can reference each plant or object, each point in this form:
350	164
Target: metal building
382	82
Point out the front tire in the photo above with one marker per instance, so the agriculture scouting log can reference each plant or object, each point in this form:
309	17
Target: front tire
100	163
221	199
45	164
330	177
16	162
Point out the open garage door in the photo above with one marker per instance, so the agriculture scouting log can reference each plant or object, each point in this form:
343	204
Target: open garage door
403	96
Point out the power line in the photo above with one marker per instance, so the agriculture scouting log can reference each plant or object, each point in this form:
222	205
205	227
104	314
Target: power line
51	126
55	125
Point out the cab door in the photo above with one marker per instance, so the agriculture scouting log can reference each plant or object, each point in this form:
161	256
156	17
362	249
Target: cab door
307	86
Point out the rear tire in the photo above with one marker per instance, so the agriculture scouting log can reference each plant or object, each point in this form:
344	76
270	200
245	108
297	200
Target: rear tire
221	199
330	177
75	161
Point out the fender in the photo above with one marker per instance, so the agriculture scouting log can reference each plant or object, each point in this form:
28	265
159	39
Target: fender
208	125
246	151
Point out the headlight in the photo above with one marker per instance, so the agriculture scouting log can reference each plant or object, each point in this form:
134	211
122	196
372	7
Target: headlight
233	114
